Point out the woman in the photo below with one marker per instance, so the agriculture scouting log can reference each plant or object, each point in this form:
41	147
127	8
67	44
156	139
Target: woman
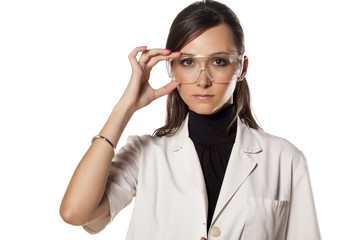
210	172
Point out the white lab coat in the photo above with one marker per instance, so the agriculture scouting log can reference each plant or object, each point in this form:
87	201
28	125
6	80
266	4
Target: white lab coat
265	195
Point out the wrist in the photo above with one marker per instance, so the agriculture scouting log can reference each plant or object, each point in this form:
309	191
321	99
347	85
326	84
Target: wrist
125	107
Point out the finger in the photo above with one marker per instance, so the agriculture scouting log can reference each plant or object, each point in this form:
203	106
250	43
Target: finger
147	55
168	88
134	53
153	61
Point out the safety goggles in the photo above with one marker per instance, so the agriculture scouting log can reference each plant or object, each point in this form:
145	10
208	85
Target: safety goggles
219	68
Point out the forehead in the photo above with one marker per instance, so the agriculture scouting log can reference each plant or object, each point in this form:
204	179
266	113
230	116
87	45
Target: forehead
213	40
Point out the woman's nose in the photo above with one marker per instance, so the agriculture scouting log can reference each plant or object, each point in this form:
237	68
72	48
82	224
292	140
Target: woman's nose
204	79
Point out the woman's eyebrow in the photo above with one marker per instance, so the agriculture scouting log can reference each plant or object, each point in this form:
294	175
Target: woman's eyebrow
216	53
220	53
188	54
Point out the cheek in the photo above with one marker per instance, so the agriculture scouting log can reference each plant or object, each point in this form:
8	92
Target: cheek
183	91
228	91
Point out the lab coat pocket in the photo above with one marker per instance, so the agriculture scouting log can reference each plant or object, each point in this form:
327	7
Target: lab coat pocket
266	219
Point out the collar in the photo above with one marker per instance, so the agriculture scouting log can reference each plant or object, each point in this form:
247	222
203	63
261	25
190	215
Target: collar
244	136
213	129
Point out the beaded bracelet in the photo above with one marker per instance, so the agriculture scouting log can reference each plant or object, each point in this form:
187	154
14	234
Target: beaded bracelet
105	139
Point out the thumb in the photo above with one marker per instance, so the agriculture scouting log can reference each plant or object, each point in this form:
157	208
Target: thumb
168	88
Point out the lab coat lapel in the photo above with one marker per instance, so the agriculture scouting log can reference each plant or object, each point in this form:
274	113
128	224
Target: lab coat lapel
239	167
184	158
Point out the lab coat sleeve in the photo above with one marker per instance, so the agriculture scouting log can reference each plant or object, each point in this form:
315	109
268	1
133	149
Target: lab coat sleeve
121	183
302	222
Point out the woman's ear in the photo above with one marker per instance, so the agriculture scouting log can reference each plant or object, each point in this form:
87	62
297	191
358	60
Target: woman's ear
244	69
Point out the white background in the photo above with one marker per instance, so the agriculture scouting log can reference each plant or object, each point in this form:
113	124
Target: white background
63	66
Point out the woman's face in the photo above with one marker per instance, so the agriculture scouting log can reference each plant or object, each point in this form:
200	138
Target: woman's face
204	96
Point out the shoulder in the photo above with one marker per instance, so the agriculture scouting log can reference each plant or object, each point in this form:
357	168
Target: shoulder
274	140
275	145
147	140
137	146
278	151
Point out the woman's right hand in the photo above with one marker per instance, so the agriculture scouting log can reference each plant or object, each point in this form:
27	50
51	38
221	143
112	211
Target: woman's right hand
139	93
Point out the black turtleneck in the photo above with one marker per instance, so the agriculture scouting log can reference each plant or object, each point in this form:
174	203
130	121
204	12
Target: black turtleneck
213	143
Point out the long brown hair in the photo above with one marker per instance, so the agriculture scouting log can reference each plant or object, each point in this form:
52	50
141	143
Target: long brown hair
188	25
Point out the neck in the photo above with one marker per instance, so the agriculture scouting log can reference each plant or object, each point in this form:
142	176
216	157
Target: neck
214	128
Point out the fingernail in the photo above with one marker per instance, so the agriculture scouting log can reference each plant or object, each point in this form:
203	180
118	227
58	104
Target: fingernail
177	52
143	46
168	50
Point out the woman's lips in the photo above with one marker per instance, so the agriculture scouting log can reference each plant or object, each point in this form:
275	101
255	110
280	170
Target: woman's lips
203	97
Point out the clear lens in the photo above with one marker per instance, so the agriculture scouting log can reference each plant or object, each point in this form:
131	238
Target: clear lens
219	68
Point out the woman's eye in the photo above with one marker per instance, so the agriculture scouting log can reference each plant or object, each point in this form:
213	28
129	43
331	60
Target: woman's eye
187	62
220	62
